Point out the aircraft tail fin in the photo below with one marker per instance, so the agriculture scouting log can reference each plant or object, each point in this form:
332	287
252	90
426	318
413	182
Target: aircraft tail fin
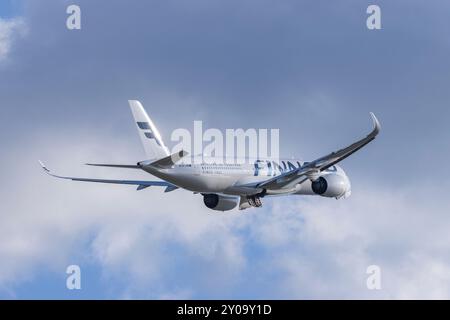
149	134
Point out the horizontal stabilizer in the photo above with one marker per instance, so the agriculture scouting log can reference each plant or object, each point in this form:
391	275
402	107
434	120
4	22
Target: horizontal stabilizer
127	166
168	162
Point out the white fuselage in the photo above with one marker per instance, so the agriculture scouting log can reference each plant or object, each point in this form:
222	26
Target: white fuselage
210	176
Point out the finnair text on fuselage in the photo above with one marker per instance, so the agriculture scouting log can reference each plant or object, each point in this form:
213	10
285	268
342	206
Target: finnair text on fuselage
263	168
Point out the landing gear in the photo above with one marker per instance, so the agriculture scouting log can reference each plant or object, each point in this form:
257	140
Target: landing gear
254	201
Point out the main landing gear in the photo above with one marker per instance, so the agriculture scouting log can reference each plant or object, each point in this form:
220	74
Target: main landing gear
254	201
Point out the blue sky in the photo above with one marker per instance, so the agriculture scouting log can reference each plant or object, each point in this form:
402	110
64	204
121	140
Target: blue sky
310	68
10	8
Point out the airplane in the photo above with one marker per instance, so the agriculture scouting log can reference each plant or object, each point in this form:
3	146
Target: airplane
226	186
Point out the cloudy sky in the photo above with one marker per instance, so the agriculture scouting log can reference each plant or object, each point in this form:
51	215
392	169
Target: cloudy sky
310	68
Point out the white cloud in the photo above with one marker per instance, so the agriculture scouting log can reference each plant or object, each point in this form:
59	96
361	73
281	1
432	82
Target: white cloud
323	247
45	221
9	29
160	245
296	247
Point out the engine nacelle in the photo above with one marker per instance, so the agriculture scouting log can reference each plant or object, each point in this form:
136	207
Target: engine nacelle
331	185
220	203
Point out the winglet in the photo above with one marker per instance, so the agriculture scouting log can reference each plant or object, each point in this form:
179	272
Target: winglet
47	171
44	167
376	125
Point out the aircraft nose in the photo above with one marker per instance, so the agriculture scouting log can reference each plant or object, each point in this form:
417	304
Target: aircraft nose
348	188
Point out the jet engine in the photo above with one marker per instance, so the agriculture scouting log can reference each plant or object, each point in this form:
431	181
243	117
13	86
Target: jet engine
219	202
331	185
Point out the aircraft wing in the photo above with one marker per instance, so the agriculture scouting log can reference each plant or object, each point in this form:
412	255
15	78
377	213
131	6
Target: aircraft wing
141	184
310	170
